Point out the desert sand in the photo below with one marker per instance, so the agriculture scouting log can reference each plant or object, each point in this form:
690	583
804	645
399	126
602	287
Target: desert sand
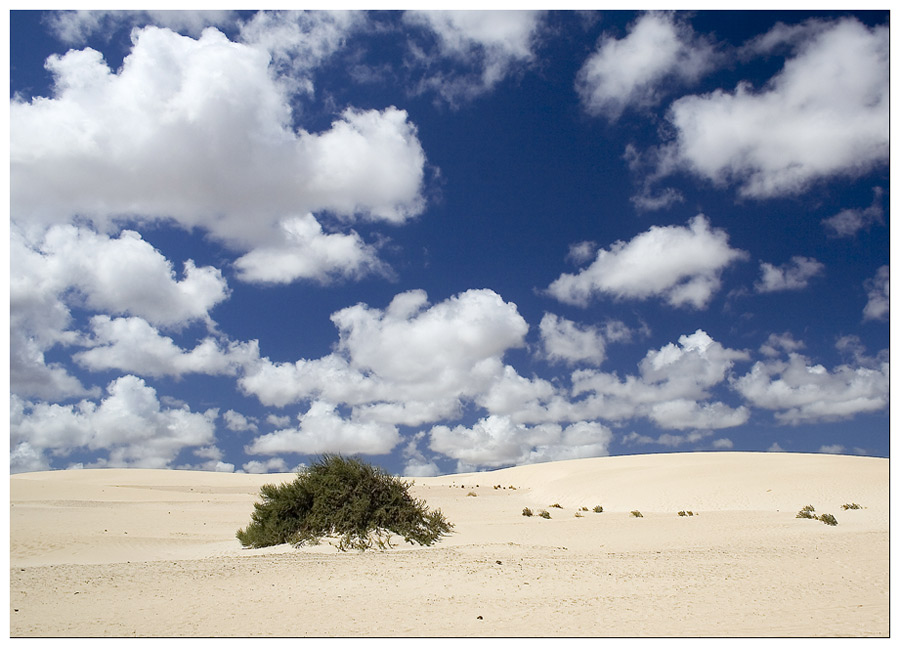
152	553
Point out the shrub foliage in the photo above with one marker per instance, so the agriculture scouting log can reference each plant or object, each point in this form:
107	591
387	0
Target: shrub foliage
346	497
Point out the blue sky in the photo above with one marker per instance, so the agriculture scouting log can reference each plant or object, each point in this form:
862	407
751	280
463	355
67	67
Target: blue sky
445	241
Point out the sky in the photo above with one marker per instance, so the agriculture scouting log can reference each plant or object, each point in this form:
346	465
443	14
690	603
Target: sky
445	241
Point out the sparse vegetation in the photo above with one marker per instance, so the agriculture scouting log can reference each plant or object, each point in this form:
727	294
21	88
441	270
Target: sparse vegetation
807	512
685	513
544	514
578	514
637	514
557	505
828	519
527	512
471	494
851	506
584	508
598	509
344	497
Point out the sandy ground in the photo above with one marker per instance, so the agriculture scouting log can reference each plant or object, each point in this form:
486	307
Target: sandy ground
153	553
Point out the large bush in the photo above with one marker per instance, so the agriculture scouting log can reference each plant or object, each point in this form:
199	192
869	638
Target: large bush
344	497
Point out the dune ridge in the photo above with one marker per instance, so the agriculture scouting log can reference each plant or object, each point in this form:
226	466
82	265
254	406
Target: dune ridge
152	553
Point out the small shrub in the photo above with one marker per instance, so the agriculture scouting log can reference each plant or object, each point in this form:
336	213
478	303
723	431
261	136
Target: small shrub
806	513
578	514
497	487
682	513
637	514
584	508
851	506
527	512
555	505
827	518
345	497
598	509
471	494
690	513
544	514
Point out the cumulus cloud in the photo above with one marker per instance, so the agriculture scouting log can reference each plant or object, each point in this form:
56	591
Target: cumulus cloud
565	341
878	306
171	134
307	252
129	425
70	267
132	345
801	392
409	364
322	429
824	114
672	389
497	441
638	70
679	264
482	46
75	27
300	41
794	275
237	422
848	222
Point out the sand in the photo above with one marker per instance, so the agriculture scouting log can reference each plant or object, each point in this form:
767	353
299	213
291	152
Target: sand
121	553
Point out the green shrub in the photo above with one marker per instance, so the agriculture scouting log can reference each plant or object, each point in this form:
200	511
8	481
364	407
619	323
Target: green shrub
682	513
584	508
527	512
471	494
345	497
806	513
827	518
544	514
637	514
557	505
851	506
598	509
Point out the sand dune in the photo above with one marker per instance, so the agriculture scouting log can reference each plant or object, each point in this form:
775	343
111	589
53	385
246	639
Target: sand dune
153	553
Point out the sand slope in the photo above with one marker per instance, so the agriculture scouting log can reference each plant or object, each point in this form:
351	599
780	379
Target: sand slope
153	553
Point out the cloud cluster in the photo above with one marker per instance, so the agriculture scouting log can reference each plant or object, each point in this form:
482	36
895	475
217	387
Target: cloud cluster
801	392
824	114
679	264
201	131
637	70
488	44
794	275
129	426
878	289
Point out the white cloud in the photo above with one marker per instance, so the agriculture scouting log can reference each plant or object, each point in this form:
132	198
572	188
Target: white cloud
672	389
300	41
680	264
776	344
417	465
132	345
129	424
68	267
410	363
323	430
497	441
632	71
307	252
801	392
824	114
237	422
794	275
565	341
848	222
878	306
835	448
124	275
200	131
74	27
490	45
